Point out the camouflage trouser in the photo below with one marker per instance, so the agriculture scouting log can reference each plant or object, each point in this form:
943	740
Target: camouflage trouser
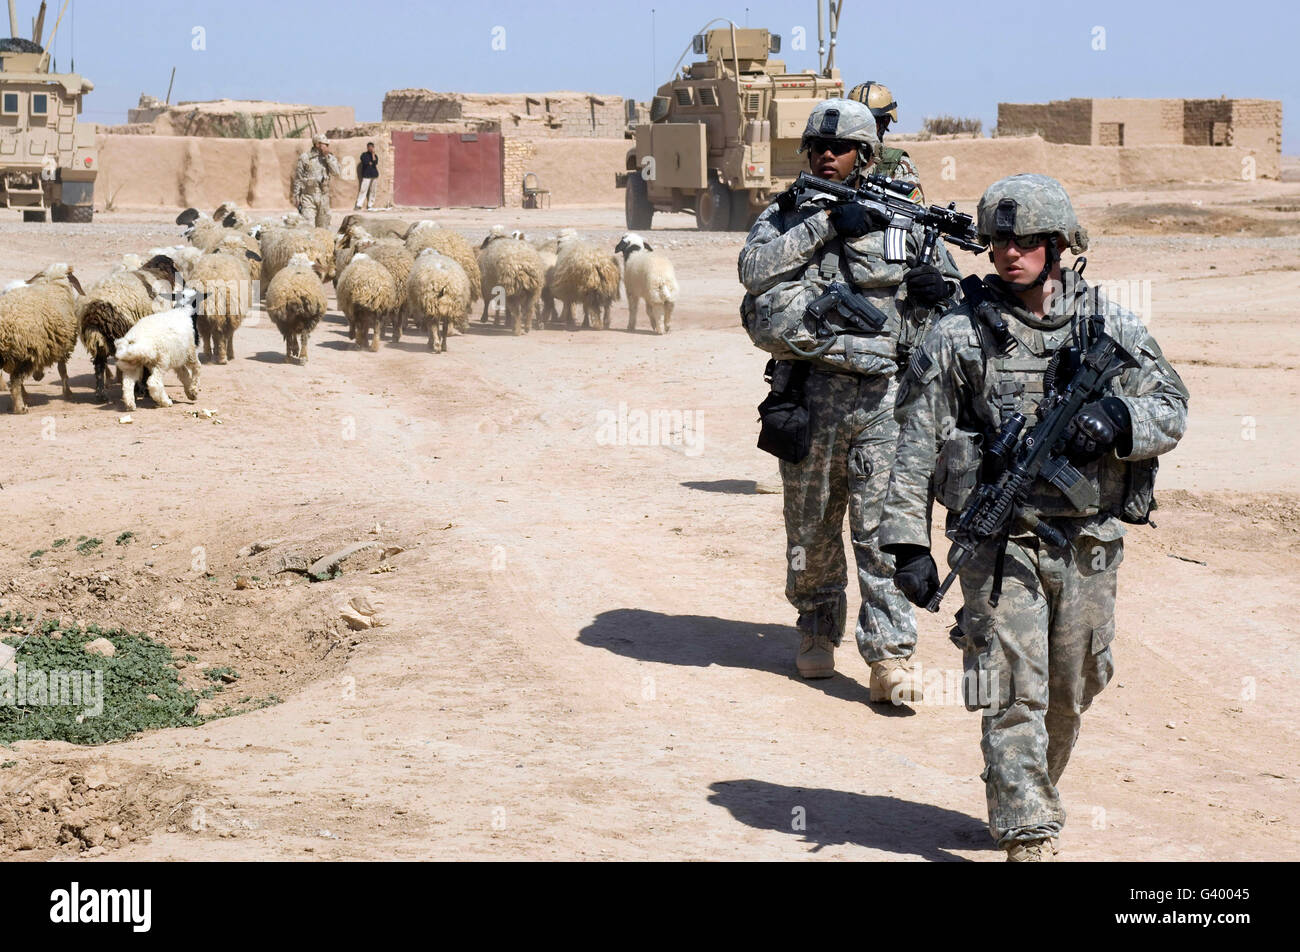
1043	654
316	209
853	437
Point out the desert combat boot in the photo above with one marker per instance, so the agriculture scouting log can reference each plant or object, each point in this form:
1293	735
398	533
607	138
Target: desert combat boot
1033	851
816	658
896	681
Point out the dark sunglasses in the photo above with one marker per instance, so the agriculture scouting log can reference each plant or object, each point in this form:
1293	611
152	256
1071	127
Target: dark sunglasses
1023	242
833	146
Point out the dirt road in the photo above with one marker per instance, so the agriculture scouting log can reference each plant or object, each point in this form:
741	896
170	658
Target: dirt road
587	653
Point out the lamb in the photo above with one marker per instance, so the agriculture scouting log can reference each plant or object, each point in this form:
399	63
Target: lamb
38	327
437	295
427	234
114	305
367	296
160	342
512	276
586	275
295	300
649	277
224	285
278	245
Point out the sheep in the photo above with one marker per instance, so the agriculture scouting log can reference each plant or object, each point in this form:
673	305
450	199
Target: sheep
160	342
512	276
230	216
392	254
116	303
437	295
280	244
649	277
295	300
38	327
243	246
546	312
184	257
379	227
367	296
224	285
345	246
426	234
203	232
586	275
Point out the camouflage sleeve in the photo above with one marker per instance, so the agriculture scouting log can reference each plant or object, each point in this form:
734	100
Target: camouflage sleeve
332	164
298	176
771	256
1155	395
907	172
926	409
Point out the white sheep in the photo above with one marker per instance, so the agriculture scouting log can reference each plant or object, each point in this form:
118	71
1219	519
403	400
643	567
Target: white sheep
648	276
280	244
295	301
437	296
512	275
392	254
113	306
586	275
158	343
367	296
38	328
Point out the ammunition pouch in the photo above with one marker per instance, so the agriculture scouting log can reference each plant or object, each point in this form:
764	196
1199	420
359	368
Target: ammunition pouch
786	424
1140	492
957	469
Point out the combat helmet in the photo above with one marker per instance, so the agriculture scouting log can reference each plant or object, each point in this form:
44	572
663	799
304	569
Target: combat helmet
1029	204
876	97
843	119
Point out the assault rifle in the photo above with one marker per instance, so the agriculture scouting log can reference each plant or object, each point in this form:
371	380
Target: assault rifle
1013	463
888	199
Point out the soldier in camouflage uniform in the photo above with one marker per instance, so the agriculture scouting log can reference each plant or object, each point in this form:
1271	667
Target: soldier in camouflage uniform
891	163
850	392
311	182
1040	651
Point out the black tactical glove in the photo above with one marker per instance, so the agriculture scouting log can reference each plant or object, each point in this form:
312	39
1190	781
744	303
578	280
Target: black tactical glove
853	221
1098	428
926	286
915	573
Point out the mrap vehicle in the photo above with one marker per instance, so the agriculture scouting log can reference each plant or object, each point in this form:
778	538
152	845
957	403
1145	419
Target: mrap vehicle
48	160
723	135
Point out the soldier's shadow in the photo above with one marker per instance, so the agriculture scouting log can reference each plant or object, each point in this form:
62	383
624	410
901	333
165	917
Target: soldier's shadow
701	640
836	817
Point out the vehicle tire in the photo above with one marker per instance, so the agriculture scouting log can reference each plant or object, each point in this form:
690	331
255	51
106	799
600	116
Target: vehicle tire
741	219
33	214
637	203
78	214
713	207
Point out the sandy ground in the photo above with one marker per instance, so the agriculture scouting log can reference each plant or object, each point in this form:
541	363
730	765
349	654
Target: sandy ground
587	651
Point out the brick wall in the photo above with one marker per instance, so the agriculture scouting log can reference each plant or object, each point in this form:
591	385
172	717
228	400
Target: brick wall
1062	120
563	115
518	160
1257	124
1145	121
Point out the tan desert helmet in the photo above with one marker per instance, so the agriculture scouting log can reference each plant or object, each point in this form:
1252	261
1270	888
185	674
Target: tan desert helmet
876	97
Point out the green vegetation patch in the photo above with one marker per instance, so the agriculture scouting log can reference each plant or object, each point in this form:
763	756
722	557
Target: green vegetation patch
62	692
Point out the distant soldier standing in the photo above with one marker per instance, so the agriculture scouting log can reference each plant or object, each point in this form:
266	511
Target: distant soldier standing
891	163
1037	619
311	182
798	246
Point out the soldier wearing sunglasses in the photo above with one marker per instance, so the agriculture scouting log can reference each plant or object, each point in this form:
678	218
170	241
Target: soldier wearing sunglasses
799	246
1037	618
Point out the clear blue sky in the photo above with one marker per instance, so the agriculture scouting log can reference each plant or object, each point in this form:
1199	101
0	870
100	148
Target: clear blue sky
350	52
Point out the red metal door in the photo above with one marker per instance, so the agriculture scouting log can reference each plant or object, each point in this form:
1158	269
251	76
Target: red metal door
438	170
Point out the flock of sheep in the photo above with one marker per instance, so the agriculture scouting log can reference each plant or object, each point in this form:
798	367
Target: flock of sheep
151	311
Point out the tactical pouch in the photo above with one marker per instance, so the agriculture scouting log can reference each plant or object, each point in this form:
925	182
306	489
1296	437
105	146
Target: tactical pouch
1140	492
976	680
786	427
957	469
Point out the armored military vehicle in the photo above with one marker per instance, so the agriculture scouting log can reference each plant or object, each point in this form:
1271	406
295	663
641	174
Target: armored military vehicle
723	134
48	160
